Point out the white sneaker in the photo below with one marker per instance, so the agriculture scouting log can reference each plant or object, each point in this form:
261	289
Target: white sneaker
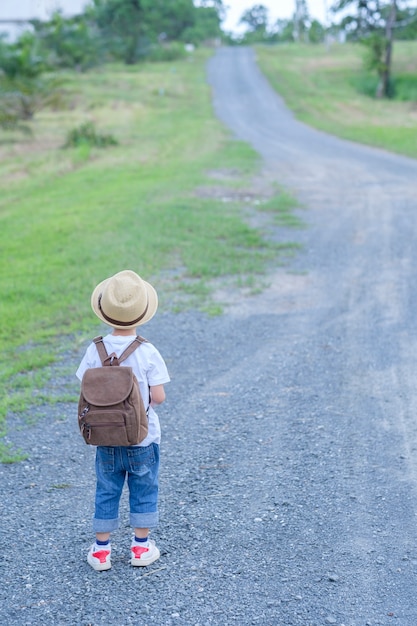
144	554
99	557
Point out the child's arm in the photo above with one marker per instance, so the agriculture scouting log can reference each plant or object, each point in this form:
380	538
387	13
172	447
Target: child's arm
157	394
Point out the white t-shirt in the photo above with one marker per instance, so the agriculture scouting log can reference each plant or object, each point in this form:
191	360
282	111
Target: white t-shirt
148	366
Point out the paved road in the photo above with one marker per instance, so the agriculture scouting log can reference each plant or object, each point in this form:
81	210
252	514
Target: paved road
288	482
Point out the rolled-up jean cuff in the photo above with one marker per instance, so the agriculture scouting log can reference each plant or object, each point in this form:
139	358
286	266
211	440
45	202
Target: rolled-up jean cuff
144	520
105	525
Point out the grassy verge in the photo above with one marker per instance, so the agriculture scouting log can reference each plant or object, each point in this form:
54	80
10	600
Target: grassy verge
69	218
325	88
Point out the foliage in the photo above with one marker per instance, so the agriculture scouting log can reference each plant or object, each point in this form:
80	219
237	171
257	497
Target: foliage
86	134
298	28
404	87
365	83
406	23
24	96
301	21
69	42
316	32
132	28
375	22
10	120
168	19
360	18
108	30
166	52
206	26
122	24
256	19
375	51
24	89
23	58
284	31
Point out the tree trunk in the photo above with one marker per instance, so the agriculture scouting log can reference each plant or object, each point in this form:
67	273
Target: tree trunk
385	73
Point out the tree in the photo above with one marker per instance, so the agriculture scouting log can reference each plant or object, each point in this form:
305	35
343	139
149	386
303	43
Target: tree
384	69
282	31
23	88
168	17
23	58
132	28
207	20
373	22
122	23
406	23
256	19
69	42
317	32
217	5
301	20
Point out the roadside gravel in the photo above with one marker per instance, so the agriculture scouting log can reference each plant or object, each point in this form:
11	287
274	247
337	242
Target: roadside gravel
289	454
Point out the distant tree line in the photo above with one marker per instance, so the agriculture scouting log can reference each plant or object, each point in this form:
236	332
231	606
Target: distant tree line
359	20
374	23
300	27
108	30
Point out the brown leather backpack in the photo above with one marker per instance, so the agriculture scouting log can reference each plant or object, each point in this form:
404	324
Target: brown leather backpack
110	409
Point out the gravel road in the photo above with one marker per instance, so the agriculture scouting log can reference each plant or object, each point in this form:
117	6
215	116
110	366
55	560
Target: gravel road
289	457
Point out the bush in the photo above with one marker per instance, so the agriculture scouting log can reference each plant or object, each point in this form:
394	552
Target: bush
24	88
166	52
365	84
402	87
10	121
405	88
86	134
24	95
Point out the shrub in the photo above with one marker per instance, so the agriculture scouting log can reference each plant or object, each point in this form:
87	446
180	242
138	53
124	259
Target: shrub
10	121
25	95
405	87
402	87
365	84
86	134
167	52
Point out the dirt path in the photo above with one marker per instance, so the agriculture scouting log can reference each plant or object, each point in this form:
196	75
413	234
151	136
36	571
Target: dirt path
352	337
289	454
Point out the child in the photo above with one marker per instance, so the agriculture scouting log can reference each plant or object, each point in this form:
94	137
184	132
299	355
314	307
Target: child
125	301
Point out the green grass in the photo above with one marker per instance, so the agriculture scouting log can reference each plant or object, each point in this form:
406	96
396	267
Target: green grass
328	89
282	207
69	218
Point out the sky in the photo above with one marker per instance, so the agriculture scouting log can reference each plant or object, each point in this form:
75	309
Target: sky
25	9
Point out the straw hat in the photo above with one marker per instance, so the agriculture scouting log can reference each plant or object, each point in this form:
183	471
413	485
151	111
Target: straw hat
124	300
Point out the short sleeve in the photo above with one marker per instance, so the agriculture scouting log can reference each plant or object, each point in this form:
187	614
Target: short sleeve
90	359
157	372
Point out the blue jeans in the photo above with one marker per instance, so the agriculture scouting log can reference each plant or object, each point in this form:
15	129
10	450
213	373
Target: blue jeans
140	465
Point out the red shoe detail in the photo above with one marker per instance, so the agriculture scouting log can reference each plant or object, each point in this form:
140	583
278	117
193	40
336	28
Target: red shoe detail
101	555
138	551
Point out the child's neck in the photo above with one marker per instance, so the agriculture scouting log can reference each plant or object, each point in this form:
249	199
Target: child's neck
124	331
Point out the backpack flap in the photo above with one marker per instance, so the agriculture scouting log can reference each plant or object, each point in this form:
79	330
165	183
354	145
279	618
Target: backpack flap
104	386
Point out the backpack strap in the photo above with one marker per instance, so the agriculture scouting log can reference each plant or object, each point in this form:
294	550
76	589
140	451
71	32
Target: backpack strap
114	360
101	348
138	340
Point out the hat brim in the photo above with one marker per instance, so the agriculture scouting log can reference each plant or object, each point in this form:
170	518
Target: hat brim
152	305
